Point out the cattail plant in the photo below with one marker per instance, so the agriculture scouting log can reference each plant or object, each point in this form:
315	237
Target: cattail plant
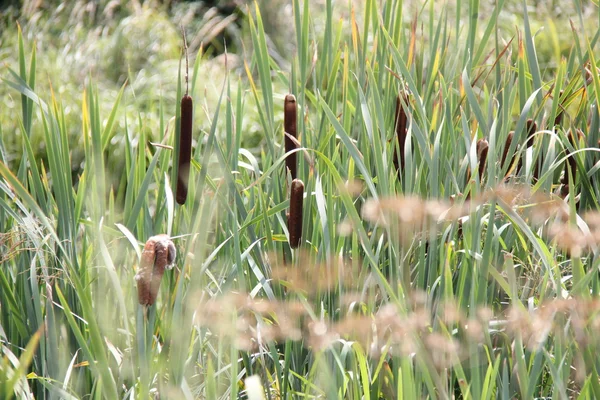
563	190
531	128
482	151
507	144
158	255
482	148
185	135
401	125
453	201
290	129
571	164
295	216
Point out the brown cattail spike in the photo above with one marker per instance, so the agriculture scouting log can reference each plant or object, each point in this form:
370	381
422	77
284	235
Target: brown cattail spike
507	144
571	162
531	130
295	217
290	128
185	137
531	127
158	255
401	124
482	151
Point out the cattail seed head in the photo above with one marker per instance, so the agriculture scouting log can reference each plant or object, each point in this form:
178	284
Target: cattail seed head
400	124
291	128
482	151
531	130
531	127
185	135
507	144
158	255
295	216
563	190
536	171
185	148
571	161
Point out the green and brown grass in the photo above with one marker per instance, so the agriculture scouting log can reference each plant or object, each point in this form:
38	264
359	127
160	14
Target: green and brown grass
465	266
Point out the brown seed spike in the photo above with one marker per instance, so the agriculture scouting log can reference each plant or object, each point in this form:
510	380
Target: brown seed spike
572	163
295	217
531	127
185	148
507	144
185	136
563	191
482	151
290	128
158	255
400	123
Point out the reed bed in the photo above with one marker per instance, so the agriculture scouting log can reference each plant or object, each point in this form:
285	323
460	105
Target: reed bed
400	272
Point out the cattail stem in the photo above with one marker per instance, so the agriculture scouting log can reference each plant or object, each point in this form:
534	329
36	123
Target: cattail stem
290	128
295	216
158	255
401	124
187	66
185	137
